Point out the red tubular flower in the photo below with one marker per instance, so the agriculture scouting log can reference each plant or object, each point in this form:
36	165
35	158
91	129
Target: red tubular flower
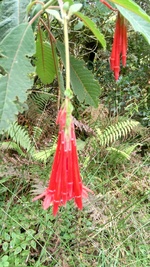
65	181
119	47
120	41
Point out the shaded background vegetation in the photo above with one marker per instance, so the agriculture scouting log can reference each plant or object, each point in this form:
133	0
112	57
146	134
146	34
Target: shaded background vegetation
112	230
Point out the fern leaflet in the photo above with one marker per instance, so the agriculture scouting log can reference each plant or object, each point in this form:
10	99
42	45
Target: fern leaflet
113	132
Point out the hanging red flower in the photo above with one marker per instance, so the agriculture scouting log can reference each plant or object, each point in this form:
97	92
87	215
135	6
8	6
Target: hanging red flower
119	48
120	42
65	181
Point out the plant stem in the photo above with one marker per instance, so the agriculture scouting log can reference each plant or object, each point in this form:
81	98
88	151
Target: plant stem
66	41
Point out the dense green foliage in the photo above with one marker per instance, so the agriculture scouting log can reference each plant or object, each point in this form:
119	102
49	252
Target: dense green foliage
112	122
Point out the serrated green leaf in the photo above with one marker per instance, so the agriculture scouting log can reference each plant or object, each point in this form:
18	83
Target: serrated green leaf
14	85
12	14
138	23
45	67
84	86
92	26
83	83
132	6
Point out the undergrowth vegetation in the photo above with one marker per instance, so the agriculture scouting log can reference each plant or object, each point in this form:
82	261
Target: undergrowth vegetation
112	229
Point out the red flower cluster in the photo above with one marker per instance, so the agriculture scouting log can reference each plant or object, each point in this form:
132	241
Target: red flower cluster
65	182
120	42
119	45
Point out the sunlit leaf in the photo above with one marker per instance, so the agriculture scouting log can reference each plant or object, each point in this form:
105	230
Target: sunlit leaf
138	23
132	6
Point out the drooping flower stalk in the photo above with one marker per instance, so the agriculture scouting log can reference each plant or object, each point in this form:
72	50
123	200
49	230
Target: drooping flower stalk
120	42
65	181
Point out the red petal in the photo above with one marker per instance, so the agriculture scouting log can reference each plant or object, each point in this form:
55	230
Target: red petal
125	43
47	201
77	183
64	178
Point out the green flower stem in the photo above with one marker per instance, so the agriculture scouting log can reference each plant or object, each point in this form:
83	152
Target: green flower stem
64	14
66	40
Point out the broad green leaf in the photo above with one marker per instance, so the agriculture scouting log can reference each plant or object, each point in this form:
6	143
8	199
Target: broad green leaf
45	67
92	26
132	6
12	14
84	86
138	23
15	48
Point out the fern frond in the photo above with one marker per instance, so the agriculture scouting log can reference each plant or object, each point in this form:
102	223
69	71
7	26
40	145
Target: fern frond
121	153
12	145
39	101
131	148
114	132
42	114
21	137
118	153
43	155
37	132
